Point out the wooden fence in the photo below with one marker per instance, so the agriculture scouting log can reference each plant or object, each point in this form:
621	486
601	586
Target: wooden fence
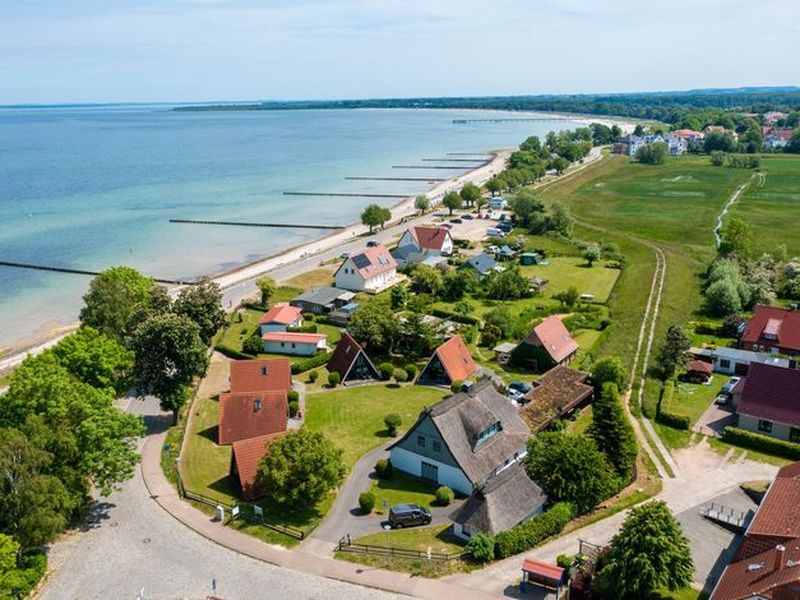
345	545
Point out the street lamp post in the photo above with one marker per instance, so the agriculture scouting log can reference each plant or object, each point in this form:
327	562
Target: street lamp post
387	528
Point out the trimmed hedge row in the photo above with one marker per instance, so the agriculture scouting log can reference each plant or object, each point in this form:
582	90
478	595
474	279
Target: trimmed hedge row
761	443
309	328
668	418
232	353
445	314
526	535
310	363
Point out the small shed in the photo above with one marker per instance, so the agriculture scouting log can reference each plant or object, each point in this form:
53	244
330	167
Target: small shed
503	351
527	259
699	371
541	575
506	253
539	284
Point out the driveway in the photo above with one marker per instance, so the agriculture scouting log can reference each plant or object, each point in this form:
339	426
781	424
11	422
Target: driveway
714	419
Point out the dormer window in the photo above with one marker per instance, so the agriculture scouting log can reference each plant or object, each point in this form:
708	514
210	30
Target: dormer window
264	371
489	432
257	405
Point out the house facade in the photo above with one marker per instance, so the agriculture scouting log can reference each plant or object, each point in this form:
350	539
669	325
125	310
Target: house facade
734	361
280	317
294	344
449	363
772	329
549	344
351	362
369	270
429	241
777	139
769	402
323	299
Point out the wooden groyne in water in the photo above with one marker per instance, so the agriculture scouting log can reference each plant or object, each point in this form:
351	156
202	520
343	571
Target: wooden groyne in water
458	160
251	224
19	265
451	167
484	154
511	120
397	178
345	195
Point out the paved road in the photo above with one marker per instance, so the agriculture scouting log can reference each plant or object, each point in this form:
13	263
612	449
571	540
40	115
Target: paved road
132	544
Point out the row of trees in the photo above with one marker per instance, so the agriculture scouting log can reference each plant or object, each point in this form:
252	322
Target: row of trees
529	212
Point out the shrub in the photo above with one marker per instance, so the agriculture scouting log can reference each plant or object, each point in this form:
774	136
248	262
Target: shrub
400	375
444	495
411	371
309	316
383	468
564	561
307	328
292	396
526	535
392	422
761	443
253	345
451	316
386	369
333	379
481	547
294	408
673	420
231	353
313	376
366	502
455	387
301	366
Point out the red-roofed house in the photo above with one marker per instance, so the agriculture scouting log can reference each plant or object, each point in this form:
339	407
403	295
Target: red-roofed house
769	401
294	343
777	138
450	362
699	371
430	241
351	362
548	345
772	329
261	375
250	414
690	135
244	463
368	270
767	562
279	317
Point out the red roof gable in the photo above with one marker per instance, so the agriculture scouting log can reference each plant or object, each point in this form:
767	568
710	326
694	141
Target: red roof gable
261	375
700	366
243	416
432	238
246	456
282	314
456	359
347	350
771	393
554	338
293	337
773	320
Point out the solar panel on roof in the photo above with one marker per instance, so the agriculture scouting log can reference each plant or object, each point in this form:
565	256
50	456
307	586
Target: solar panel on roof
361	261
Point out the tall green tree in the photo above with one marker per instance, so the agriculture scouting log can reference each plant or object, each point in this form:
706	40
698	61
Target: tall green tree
591	254
374	215
652	154
375	325
158	302
426	280
422	203
570	468
649	552
561	220
201	303
612	432
470	193
300	469
526	206
169	354
736	237
95	358
267	287
452	201
672	355
608	370
111	299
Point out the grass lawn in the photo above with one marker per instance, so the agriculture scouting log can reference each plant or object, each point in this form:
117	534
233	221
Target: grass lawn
353	417
567	271
401	489
310	279
686	593
586	338
581	422
692	399
722	448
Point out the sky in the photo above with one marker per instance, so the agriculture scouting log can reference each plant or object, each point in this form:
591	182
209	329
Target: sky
65	51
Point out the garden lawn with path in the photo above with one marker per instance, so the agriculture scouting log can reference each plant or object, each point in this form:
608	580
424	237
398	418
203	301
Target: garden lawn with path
564	272
402	489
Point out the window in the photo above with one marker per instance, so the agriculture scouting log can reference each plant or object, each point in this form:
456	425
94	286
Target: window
421	441
257	404
263	370
724	363
765	426
487	433
437	445
794	435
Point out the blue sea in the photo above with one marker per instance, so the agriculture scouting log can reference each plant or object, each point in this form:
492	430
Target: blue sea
92	187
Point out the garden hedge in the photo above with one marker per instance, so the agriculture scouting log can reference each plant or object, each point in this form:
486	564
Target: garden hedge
760	442
673	420
310	363
526	535
232	353
445	314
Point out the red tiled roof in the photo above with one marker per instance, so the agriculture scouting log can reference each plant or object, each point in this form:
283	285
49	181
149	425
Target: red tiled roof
292	336
247	415
282	314
760	577
376	260
554	338
790	471
432	238
771	393
784	322
261	375
347	350
456	359
246	455
542	569
779	512
700	366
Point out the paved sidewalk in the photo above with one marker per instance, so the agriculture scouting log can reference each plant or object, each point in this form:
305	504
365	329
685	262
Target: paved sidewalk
166	496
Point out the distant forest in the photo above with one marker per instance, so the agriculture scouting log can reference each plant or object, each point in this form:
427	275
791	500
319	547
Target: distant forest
669	107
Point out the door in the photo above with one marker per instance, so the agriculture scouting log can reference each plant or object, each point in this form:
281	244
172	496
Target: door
740	369
430	472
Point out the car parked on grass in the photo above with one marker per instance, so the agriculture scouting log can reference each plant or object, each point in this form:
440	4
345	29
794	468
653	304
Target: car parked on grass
408	515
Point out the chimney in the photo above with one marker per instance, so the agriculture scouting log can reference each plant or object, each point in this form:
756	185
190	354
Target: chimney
780	553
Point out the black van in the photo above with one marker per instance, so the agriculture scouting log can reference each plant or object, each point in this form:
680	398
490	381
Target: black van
408	515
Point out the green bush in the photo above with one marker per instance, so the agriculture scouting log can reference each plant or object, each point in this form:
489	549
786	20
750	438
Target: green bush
253	345
366	502
481	547
232	353
301	366
294	408
392	422
308	328
309	316
760	443
334	378
451	316
383	468
293	396
18	582
386	369
455	387
444	495
673	420
400	375
564	561
526	535
313	376
411	371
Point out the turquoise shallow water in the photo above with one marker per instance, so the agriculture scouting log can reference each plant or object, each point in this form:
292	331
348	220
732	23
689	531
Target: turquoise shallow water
94	187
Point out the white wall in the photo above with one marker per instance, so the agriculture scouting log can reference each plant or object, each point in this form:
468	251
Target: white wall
348	278
411	463
300	349
779	430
